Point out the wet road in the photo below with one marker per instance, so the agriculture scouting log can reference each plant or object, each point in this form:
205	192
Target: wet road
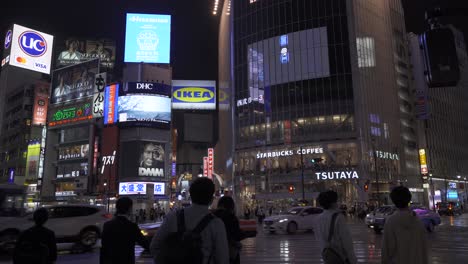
449	244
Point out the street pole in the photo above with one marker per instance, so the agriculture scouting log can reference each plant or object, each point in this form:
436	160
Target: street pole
433	193
302	176
376	173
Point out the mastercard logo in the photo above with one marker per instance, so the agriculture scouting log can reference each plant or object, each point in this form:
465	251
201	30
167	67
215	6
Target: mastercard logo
21	60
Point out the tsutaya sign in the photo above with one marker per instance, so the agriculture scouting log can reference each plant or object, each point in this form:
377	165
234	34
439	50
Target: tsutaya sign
289	152
337	175
386	155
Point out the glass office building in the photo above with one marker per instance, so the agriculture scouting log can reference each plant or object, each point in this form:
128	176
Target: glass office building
321	96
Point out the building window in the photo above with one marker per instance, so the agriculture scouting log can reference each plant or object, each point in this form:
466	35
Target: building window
366	52
375	131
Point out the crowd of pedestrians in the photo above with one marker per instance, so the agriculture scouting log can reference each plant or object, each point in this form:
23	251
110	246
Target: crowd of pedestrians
203	236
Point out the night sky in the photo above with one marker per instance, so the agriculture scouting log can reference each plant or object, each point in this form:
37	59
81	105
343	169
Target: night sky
194	29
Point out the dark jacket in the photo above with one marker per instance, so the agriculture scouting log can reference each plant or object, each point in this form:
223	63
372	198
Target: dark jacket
233	232
119	236
36	235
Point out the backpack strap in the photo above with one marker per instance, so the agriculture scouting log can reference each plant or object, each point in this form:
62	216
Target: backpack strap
332	227
180	221
203	223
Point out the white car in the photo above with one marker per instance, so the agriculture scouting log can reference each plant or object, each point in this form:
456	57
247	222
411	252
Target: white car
296	218
71	223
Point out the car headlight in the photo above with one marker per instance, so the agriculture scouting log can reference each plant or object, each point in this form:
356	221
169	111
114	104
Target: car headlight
144	233
283	220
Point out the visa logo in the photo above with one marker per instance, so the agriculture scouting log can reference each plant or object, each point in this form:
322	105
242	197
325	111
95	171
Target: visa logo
40	65
32	43
193	94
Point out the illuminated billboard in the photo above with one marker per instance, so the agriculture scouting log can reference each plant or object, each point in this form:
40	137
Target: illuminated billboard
131	188
30	49
146	88
145	110
41	102
194	95
32	159
70	114
74	152
74	82
423	161
74	51
143	159
111	96
147	38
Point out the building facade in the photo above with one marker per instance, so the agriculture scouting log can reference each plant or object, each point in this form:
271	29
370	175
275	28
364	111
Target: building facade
320	99
442	124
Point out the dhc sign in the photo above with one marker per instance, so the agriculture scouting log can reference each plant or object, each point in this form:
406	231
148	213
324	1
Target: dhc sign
194	95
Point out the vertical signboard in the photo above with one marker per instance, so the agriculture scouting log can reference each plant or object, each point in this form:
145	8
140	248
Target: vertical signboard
423	161
109	147
205	166
41	101
32	159
6	47
98	95
110	104
210	162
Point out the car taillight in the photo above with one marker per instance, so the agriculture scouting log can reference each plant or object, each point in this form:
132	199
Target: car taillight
107	216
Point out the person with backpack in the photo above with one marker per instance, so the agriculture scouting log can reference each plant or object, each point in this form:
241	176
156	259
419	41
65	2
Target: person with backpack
332	233
37	244
120	235
405	237
192	234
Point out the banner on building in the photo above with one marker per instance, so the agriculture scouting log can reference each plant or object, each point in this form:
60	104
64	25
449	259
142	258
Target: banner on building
75	51
98	95
41	102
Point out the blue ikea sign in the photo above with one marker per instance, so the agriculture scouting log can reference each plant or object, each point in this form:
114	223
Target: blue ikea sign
148	38
194	97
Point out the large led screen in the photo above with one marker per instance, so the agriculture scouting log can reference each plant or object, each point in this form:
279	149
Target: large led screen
74	51
74	82
287	58
148	38
193	95
142	159
147	109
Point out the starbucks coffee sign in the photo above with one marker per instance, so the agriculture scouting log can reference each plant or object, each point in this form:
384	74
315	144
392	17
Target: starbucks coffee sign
289	152
337	175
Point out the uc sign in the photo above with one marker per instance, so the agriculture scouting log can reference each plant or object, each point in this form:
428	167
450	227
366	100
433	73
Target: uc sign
193	94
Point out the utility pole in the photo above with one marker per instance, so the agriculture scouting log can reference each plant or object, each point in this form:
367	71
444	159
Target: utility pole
302	176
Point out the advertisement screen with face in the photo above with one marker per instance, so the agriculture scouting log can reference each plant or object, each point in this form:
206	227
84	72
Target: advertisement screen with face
74	82
74	51
142	159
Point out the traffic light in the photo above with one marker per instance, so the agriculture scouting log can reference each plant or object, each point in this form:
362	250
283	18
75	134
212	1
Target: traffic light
291	189
316	160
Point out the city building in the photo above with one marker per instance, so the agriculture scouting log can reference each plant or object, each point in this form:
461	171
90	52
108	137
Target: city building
320	97
442	125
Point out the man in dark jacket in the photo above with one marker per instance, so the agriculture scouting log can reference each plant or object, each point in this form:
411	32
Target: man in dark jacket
37	244
119	236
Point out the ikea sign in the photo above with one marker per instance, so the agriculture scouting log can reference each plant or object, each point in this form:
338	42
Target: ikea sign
195	95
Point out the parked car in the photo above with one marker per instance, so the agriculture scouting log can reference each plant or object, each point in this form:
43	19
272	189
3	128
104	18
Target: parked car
450	208
376	220
297	218
71	223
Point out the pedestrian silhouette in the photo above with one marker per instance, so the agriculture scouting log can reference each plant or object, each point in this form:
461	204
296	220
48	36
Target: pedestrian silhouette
332	232
192	234
120	235
405	238
37	244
